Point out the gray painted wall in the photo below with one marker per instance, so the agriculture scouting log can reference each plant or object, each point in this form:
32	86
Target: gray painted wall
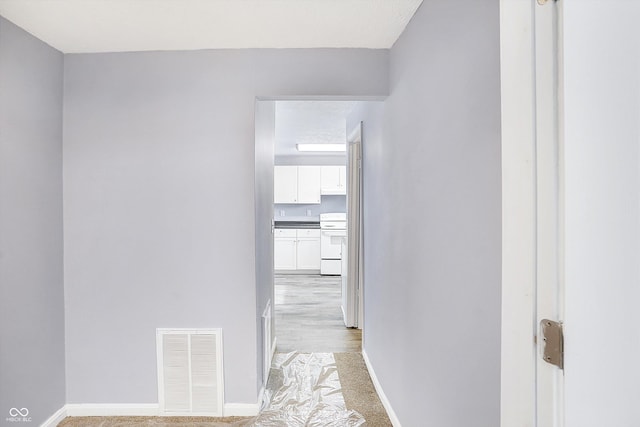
433	220
159	194
32	364
316	159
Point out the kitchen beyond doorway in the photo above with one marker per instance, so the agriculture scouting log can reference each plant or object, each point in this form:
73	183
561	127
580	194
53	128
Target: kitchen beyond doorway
304	186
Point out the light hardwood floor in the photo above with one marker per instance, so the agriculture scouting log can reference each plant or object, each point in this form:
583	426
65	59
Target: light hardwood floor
309	318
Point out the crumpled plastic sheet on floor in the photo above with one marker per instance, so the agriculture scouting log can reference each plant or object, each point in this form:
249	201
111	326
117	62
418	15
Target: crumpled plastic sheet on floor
304	391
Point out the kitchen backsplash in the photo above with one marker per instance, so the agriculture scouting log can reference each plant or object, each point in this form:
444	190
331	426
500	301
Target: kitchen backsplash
327	204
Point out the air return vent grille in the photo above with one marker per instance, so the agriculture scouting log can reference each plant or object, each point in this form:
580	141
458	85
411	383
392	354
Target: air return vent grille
190	377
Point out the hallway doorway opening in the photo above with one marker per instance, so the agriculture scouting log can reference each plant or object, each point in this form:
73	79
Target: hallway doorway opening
305	295
311	191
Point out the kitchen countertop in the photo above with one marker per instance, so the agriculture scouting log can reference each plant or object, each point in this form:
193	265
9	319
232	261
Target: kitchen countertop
297	222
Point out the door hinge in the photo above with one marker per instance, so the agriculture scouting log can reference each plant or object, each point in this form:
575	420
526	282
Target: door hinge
552	342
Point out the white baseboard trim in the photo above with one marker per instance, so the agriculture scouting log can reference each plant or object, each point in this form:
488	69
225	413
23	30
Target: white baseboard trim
112	409
241	409
263	388
383	398
261	396
140	409
273	347
54	419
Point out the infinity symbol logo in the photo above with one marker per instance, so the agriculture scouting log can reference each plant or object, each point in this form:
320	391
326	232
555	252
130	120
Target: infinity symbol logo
14	412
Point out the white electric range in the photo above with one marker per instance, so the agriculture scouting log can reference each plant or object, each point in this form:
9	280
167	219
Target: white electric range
333	226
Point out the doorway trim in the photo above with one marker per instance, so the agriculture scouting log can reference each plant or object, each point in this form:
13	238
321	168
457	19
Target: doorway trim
517	386
530	53
263	222
352	289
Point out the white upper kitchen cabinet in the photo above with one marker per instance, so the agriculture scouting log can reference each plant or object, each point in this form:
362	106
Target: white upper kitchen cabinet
285	184
309	184
333	180
296	184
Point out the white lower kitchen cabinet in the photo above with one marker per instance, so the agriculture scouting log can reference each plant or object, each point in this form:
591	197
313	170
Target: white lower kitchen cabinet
296	250
284	254
308	250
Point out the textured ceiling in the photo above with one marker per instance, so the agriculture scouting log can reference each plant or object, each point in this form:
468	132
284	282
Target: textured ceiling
310	122
73	26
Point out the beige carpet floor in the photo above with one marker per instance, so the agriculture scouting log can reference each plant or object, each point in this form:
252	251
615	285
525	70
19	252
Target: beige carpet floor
357	389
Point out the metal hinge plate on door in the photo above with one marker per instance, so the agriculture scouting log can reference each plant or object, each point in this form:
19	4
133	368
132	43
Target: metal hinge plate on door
552	342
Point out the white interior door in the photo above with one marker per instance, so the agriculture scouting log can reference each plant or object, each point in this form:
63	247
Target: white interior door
602	212
352	289
571	210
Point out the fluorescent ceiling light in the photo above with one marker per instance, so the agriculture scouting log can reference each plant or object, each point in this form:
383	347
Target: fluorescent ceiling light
321	147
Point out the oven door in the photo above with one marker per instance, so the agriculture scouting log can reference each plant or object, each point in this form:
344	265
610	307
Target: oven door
329	248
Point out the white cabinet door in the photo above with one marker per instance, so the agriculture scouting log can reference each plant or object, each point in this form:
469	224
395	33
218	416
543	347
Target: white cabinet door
296	249
308	184
285	184
284	250
308	250
284	254
296	184
342	171
333	180
329	179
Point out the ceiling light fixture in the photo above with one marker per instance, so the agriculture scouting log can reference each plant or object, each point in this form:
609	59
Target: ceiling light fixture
321	147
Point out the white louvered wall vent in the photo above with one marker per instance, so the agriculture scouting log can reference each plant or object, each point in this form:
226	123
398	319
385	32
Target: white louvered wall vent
190	379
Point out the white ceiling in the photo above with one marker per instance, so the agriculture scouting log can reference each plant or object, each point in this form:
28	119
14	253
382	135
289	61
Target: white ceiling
304	122
74	26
